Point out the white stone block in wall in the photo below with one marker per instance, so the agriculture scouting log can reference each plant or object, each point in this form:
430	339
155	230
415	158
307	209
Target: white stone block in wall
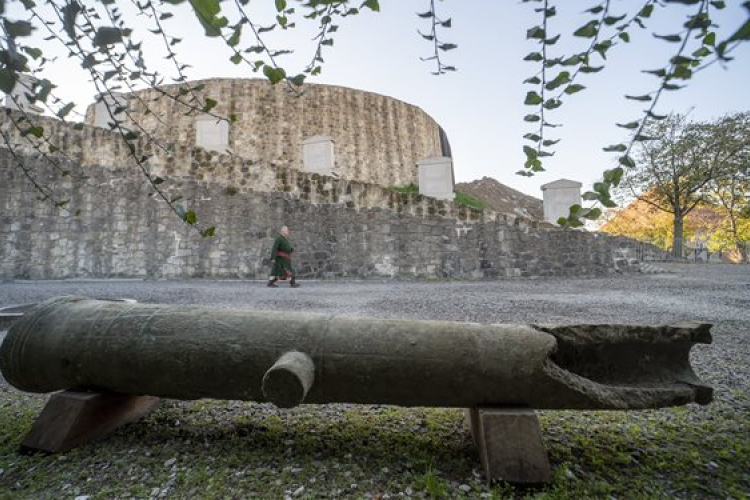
318	155
109	108
211	133
19	96
436	177
558	196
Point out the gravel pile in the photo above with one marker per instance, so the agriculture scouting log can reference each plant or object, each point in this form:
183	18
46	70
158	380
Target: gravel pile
220	449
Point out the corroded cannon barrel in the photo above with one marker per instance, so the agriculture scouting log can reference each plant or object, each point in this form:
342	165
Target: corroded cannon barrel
293	358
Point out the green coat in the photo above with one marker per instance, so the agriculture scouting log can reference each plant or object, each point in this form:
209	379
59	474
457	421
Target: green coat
282	266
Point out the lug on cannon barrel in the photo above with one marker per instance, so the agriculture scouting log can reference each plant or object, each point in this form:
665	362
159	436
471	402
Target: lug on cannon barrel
126	356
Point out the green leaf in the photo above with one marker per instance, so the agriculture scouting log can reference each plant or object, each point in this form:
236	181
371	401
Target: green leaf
588	30
572	60
65	110
643	98
593	213
532	137
236	58
33	52
8	80
206	11
18	28
532	99
624	36
561	79
531	118
280	5
610	20
669	38
447	46
209	233
646	11
535	33
298	80
614	175
234	40
627	161
682	73
534	80
743	33
274	75
702	52
530	152
190	217
590	196
209	105
552	103
629	125
373	5
534	56
107	35
572	89
550	142
616	148
710	39
70	12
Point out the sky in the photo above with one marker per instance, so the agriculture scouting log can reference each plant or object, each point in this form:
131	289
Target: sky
480	106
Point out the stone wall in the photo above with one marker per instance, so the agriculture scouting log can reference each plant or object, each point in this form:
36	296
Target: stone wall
378	139
337	230
341	228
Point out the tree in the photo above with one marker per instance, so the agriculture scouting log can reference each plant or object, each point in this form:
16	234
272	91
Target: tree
111	38
678	159
732	193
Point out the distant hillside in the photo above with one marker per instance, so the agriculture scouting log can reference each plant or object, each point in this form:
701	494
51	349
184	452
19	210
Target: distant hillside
501	198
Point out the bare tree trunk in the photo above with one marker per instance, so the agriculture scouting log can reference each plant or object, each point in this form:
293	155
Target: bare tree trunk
677	237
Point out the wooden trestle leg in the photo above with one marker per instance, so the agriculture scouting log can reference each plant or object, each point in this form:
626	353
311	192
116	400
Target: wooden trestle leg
510	444
71	418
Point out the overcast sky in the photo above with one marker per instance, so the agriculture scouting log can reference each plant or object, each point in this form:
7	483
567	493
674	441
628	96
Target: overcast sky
481	105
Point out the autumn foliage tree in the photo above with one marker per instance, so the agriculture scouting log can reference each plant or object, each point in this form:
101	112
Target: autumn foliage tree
679	161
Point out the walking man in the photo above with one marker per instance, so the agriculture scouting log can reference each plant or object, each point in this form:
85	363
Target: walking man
281	253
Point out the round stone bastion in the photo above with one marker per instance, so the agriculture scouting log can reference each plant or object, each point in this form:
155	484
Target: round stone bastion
360	135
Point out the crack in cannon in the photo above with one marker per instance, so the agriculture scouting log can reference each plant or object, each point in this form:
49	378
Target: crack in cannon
75	344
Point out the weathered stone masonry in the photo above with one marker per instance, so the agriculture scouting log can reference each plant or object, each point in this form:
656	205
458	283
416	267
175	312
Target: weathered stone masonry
341	228
378	139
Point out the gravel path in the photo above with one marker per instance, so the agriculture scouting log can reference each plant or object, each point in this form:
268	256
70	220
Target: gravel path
714	293
689	452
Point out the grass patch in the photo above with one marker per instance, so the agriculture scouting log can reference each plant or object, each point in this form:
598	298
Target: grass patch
217	449
469	200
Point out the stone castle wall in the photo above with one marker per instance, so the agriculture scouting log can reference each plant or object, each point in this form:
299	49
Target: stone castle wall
341	228
378	139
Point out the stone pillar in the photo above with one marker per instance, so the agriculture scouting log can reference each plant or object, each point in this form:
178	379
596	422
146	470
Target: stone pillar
436	177
558	197
108	106
19	97
318	155
211	133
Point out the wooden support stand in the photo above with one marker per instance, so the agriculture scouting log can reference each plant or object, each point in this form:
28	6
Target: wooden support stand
510	444
71	419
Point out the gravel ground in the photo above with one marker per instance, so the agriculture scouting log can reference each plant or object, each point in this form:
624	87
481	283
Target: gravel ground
217	449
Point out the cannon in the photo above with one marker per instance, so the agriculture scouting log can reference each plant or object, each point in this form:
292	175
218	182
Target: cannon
157	351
